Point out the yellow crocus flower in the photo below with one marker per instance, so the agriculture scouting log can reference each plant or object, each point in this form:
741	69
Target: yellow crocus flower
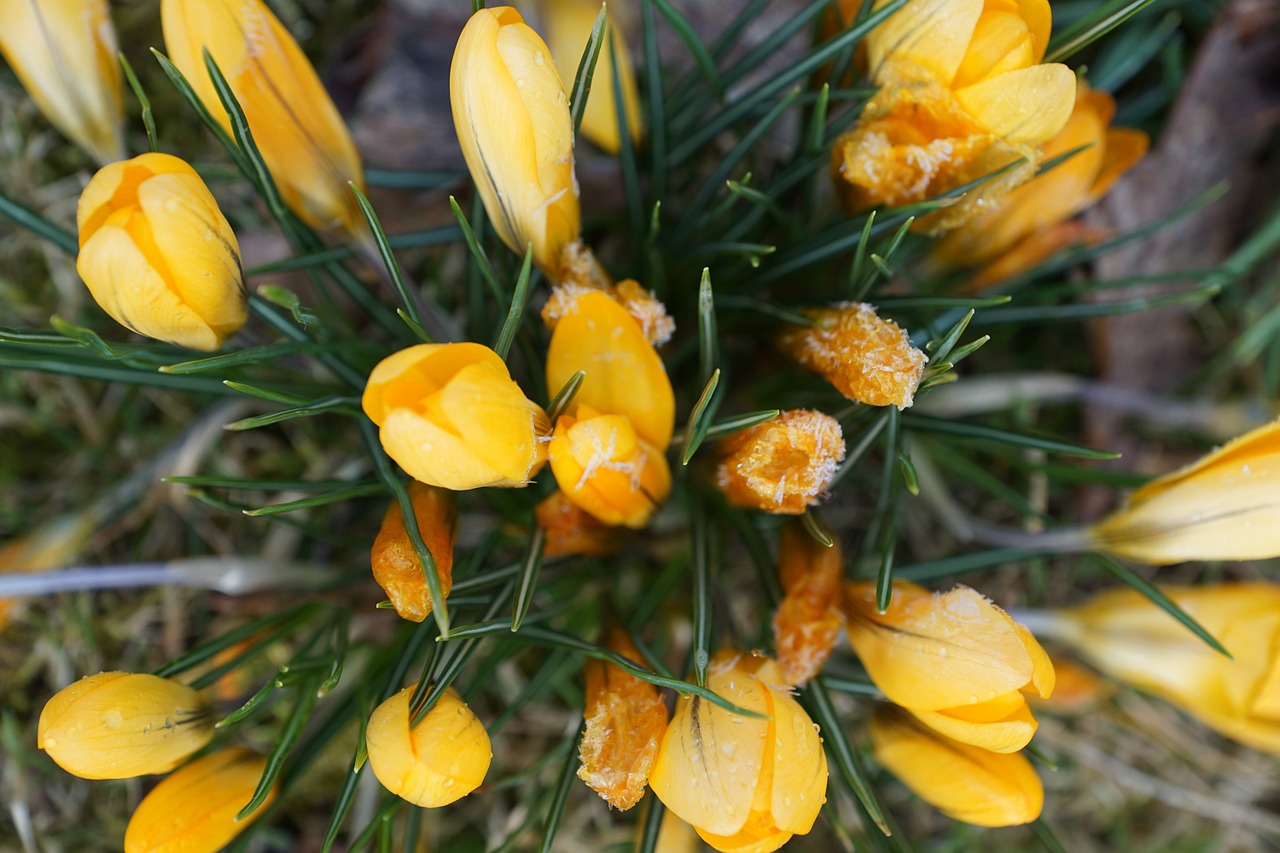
451	416
957	662
396	566
64	52
117	725
158	255
303	139
624	375
1129	638
511	113
1031	222
744	783
568	24
1221	507
968	783
193	810
963	93
441	759
783	466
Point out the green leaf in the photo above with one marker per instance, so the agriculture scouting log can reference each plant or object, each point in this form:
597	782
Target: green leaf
1129	577
582	78
530	566
519	299
925	423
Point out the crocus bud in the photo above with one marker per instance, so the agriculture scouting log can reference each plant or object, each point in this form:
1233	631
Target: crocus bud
744	783
1222	507
868	359
962	94
396	566
295	125
625	717
782	466
442	759
570	529
603	466
117	725
968	783
808	621
1129	638
451	416
1030	223
511	113
568	26
157	253
64	52
193	810
957	662
624	375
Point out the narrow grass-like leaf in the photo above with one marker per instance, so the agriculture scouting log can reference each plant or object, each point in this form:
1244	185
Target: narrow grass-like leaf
687	34
651	823
881	262
560	795
582	78
289	301
564	397
346	797
700	541
519	299
389	262
1129	577
627	155
939	350
215	482
657	106
414	326
335	496
287	619
1045	836
329	405
252	355
214	126
530	567
477	252
695	430
815	528
853	686
977	560
1094	27
56	236
842	752
768	309
266	393
854	456
148	120
729	426
943	426
254	701
908	469
285	741
708	336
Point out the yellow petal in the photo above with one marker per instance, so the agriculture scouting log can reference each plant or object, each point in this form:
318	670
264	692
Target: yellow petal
489	411
970	784
1002	725
64	52
436	456
624	375
1124	148
933	34
799	767
1024	107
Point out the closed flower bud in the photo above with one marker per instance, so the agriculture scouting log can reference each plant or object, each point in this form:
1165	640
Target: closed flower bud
783	466
64	52
645	308
295	125
571	530
1222	507
957	662
157	253
625	718
396	566
624	375
511	113
808	621
962	94
867	359
442	759
568	24
603	466
744	783
1129	638
968	783
193	810
451	416
1030	223
117	725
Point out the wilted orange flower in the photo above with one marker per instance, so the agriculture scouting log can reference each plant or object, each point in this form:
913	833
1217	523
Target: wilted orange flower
568	26
957	662
572	530
396	566
868	359
625	718
1030	223
64	52
624	375
603	466
511	113
451	416
1225	506
968	783
962	95
158	255
808	620
117	725
783	466
441	759
295	125
744	783
193	810
1129	638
